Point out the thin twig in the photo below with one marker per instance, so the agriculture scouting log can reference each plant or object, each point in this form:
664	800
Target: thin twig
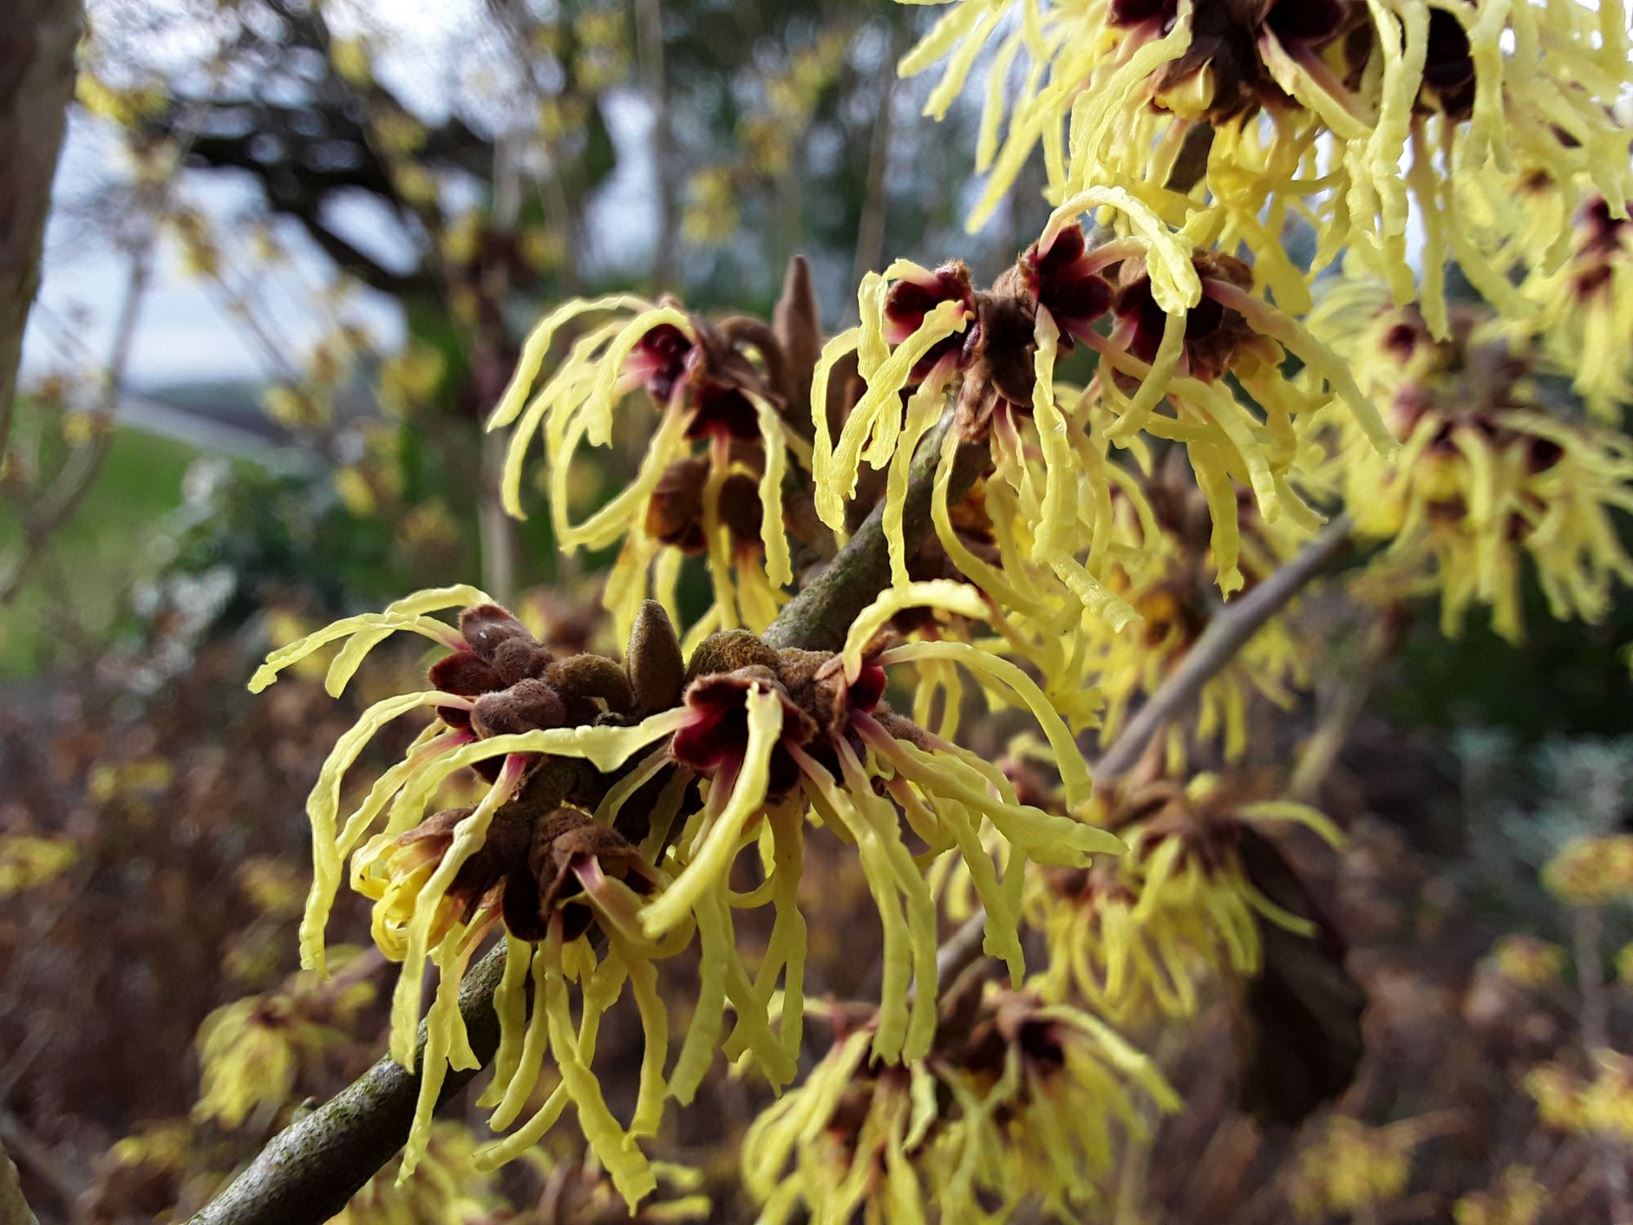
1226	634
1332	732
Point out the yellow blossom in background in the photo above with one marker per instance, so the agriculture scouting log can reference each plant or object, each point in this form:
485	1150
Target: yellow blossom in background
1529	962
542	248
1558	1093
1517	1199
352	60
126	107
116	780
27	860
1592	871
1585	311
397	133
430	526
601	58
297	407
446	1186
1607	1102
411	378
461	237
1141	935
414	182
1490	480
710	217
201	256
273	886
252	1051
1353	1168
283	626
1624	966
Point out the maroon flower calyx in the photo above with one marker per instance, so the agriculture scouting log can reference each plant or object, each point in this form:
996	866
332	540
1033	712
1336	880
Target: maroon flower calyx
1214	333
715	739
1448	67
709	374
909	301
1064	281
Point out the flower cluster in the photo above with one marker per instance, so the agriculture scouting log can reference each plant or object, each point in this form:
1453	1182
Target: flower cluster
711	478
1140	936
252	1051
1354	1168
1592	871
1489	476
1174	326
1019	1101
1348	117
1585	310
618	797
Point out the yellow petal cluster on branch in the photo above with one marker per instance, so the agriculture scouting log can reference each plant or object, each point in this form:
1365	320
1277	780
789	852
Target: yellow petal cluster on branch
731	751
1356	118
1025	1102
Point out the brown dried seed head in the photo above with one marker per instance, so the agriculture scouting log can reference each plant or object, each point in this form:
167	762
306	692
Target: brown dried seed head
656	668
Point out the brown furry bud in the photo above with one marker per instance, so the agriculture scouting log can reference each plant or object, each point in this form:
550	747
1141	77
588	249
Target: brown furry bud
674	513
526	705
729	650
656	668
464	673
582	678
485	626
516	659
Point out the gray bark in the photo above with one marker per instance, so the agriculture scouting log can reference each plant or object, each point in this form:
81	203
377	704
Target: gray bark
37	39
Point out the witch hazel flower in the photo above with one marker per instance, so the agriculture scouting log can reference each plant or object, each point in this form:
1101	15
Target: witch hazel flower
1358	118
720	390
1018	1103
527	858
782	737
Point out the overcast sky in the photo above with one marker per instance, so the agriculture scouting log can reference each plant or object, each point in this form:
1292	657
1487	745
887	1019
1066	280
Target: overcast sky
184	333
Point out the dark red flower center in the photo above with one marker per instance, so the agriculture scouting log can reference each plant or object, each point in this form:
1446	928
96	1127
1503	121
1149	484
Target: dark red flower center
1064	283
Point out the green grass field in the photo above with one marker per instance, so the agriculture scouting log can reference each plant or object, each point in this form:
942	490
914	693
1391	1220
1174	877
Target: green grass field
92	558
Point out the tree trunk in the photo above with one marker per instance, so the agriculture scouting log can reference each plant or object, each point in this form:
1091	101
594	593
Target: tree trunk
37	39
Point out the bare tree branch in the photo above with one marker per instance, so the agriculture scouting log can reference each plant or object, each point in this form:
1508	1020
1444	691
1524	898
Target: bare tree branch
1226	634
